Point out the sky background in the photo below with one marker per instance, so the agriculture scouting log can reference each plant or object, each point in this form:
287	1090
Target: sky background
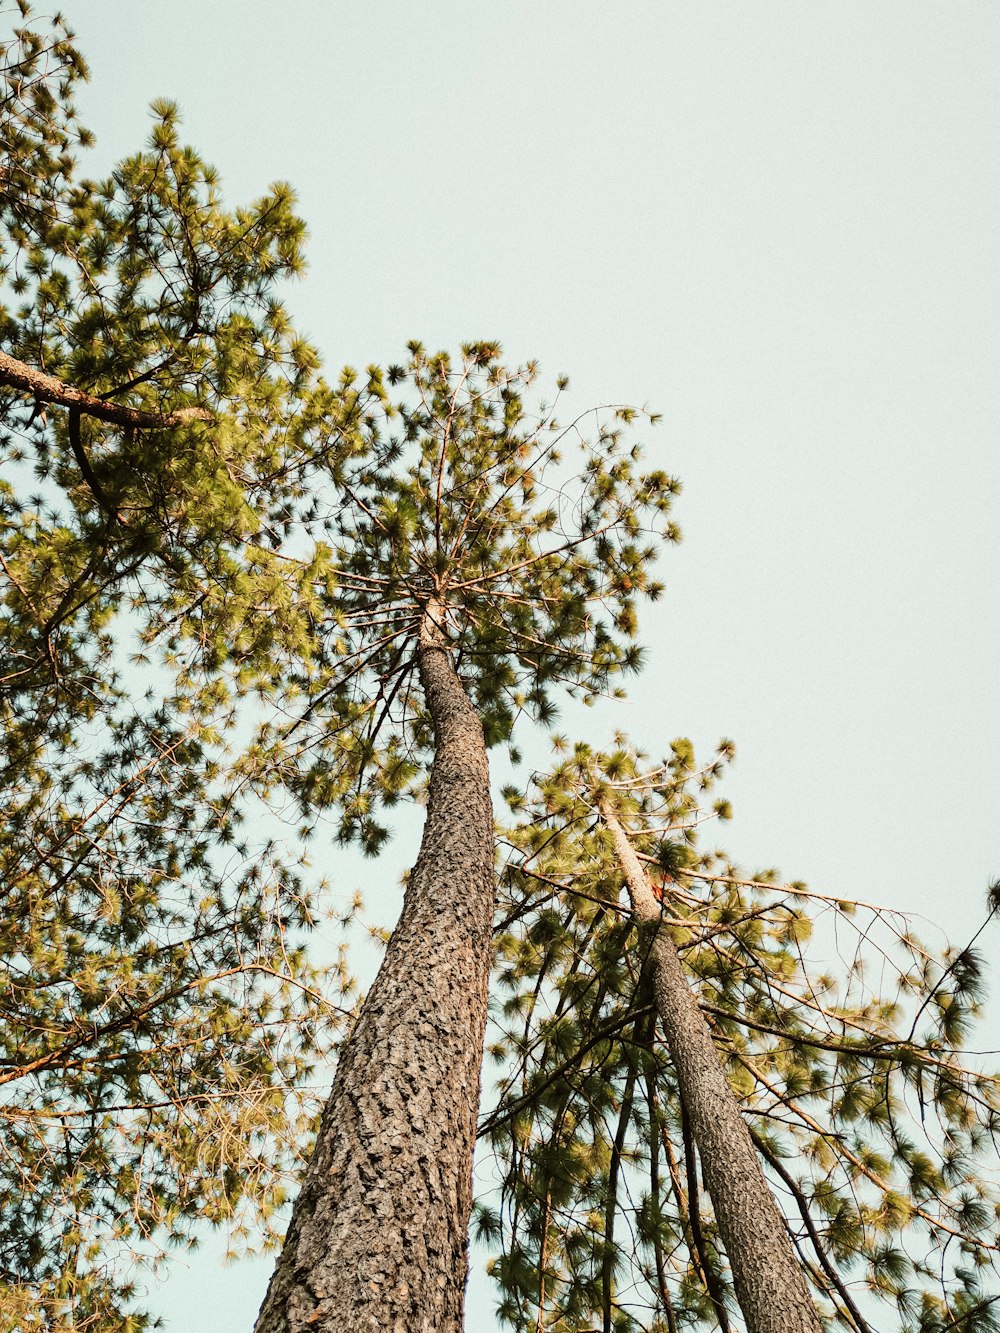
774	222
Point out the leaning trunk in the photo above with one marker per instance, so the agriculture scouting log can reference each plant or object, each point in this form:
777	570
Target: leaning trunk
377	1239
770	1285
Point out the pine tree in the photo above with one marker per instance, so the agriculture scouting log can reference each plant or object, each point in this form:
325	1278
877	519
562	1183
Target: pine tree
874	1134
157	1010
474	576
191	460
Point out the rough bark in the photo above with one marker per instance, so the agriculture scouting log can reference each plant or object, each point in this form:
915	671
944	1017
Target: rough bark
770	1286
33	383
377	1239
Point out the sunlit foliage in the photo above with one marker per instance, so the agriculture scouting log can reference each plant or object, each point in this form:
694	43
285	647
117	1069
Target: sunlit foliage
877	1134
157	1011
532	538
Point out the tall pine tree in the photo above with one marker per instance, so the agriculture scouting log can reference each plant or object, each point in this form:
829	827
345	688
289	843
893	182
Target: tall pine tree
476	574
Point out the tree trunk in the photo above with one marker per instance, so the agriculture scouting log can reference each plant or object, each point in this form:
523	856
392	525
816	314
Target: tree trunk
377	1239
770	1286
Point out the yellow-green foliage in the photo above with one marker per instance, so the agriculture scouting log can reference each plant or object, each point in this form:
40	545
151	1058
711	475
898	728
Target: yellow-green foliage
877	1137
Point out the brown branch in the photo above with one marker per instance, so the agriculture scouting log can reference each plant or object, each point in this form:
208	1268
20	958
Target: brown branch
502	1117
841	1148
887	1050
656	1194
33	383
704	1259
11	1070
83	462
614	1169
803	1206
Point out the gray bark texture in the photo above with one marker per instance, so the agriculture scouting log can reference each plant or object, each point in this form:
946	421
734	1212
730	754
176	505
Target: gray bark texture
770	1285
377	1239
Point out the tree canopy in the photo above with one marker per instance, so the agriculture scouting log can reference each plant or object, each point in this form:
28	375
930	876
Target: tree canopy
158	1011
217	569
449	487
876	1131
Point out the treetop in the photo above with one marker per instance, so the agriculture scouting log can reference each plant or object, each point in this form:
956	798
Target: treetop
534	536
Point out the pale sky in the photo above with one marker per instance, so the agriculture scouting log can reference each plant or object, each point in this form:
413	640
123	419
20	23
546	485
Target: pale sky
774	222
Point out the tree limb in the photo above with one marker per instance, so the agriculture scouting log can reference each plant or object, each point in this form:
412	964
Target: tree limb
33	383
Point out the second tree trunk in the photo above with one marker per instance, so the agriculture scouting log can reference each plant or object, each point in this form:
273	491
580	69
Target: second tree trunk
770	1286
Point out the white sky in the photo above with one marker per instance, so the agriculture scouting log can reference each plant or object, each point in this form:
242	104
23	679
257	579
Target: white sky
776	223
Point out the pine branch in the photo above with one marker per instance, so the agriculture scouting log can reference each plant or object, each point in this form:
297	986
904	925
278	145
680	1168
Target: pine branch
32	383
